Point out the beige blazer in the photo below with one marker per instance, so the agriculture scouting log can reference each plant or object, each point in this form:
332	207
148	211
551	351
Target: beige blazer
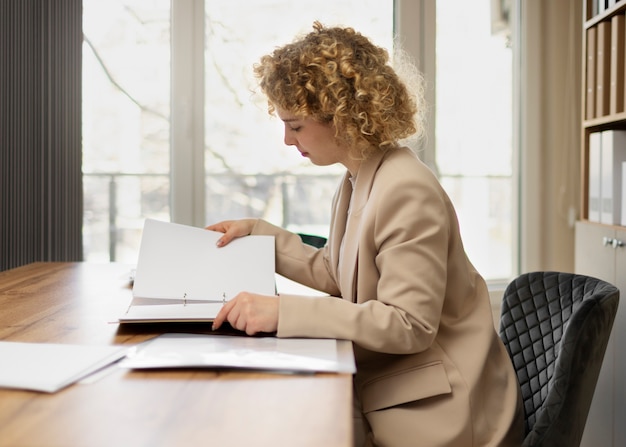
431	369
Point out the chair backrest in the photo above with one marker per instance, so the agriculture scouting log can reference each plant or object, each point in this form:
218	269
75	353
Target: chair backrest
314	240
556	327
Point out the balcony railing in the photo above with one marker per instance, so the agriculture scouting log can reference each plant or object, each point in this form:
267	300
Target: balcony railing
116	204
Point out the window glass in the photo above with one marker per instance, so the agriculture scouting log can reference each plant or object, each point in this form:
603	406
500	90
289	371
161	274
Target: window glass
126	107
474	128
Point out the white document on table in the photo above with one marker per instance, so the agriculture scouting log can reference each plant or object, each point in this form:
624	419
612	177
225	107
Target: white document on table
181	275
49	367
258	353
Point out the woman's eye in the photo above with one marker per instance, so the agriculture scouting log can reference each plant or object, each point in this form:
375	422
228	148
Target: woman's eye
295	129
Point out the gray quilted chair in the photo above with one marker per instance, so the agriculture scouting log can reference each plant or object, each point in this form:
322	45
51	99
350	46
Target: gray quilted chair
556	327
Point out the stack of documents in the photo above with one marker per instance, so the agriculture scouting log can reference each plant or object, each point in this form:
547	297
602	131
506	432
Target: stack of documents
258	353
50	367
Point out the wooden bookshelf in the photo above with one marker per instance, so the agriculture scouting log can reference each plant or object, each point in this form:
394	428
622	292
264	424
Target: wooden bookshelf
600	249
604	78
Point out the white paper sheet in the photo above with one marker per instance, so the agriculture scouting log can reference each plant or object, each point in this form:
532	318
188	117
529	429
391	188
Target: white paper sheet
49	367
224	351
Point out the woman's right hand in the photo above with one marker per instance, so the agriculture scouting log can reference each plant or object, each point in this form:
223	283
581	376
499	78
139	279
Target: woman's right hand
232	229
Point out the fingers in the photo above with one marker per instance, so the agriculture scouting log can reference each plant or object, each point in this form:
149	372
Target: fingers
250	313
224	240
232	229
228	227
220	227
223	314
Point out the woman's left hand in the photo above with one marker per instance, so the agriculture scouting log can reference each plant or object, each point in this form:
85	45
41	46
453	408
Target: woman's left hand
250	312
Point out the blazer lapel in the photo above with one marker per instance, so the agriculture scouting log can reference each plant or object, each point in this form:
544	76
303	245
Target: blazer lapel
338	221
348	264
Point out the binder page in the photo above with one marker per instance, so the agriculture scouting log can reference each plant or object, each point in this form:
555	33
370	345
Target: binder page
146	310
183	263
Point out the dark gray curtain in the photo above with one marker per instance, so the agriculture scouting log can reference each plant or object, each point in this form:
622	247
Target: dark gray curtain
41	203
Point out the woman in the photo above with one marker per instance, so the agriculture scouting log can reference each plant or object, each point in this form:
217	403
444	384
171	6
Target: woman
431	370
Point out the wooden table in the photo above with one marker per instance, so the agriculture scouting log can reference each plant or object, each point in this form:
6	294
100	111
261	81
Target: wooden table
79	303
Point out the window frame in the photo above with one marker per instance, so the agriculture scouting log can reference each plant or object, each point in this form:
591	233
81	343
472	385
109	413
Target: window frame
187	113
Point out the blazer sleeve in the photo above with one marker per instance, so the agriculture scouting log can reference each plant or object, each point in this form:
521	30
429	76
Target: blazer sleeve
298	261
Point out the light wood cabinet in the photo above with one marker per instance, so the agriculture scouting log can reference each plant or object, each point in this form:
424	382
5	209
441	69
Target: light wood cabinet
601	247
600	252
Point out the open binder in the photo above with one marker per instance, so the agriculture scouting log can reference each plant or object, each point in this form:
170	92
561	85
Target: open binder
182	275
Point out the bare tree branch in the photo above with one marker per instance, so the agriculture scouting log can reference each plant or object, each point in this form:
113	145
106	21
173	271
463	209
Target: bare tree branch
117	84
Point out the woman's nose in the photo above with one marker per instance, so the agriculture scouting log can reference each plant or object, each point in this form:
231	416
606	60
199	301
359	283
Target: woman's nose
289	139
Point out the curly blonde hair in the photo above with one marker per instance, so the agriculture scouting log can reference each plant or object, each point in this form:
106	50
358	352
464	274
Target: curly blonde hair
337	75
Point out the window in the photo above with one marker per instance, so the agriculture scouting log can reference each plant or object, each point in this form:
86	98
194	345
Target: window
474	118
131	116
173	131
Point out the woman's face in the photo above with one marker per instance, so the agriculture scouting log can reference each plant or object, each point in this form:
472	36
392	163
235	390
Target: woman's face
315	140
